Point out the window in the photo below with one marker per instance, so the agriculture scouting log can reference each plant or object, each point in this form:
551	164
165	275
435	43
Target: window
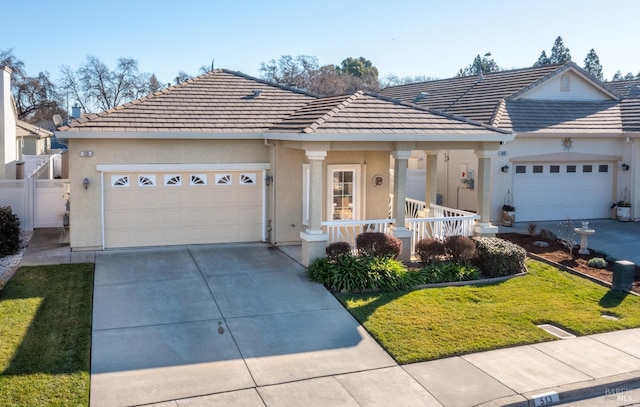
587	168
554	169
223	179
198	179
173	180
119	181
247	179
343	194
571	168
521	169
537	169
603	168
147	180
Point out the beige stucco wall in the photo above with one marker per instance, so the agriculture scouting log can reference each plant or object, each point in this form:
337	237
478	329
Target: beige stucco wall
86	210
287	214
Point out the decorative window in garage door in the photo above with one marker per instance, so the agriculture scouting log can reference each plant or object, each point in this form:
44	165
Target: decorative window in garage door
247	179
198	179
120	181
147	180
174	180
223	179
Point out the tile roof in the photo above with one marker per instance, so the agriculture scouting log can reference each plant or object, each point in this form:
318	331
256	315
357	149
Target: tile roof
363	112
27	129
219	101
626	89
225	102
630	109
493	98
544	116
472	97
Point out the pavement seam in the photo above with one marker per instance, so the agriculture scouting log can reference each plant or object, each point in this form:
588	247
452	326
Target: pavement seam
611	346
195	262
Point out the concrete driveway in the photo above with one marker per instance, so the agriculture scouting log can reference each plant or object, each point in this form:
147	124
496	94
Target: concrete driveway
182	322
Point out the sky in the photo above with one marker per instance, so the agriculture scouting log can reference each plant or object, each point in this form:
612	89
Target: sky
433	38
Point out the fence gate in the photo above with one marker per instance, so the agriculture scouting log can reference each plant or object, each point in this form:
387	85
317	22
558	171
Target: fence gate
49	206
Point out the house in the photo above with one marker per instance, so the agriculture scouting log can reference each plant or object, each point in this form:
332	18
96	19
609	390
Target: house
9	147
576	148
225	157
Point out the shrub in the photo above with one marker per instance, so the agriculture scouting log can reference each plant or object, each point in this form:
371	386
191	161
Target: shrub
378	244
357	274
9	232
338	249
321	271
460	249
429	250
597	262
497	257
446	272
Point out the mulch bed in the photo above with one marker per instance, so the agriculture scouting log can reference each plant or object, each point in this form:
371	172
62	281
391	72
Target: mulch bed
559	254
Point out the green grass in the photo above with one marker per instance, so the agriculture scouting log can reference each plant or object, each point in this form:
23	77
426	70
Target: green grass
45	336
434	323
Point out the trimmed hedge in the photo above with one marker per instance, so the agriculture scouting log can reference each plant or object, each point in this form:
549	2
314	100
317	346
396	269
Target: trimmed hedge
378	244
497	257
9	232
338	249
460	249
429	250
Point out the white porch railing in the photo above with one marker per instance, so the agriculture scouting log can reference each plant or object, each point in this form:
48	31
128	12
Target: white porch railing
347	230
443	223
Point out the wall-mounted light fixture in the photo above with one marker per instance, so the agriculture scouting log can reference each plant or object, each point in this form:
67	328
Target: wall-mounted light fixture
85	182
625	167
268	179
505	168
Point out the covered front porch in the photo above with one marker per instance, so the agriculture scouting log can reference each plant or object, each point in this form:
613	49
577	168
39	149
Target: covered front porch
408	219
438	222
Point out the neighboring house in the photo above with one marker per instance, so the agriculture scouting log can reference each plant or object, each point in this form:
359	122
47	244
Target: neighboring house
9	147
576	148
225	157
27	169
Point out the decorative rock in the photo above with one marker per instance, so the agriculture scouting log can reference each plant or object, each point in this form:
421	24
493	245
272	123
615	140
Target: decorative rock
548	235
541	244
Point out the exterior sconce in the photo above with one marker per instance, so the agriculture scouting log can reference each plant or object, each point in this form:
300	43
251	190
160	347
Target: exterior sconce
85	182
505	168
268	179
625	167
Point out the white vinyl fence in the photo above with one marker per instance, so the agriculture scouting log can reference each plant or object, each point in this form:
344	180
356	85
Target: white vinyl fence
39	203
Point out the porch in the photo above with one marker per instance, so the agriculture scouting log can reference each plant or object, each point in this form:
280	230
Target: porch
438	222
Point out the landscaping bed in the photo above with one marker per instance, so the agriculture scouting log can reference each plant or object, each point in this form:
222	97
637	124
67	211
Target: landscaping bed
559	254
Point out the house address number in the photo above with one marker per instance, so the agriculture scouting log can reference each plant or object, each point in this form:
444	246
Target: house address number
546	399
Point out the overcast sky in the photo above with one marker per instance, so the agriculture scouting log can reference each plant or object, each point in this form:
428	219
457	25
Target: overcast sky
401	37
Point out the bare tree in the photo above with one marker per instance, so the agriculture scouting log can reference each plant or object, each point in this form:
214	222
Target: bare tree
304	72
95	86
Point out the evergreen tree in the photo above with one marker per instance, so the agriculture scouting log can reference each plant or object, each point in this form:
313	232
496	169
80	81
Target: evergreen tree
543	59
479	65
592	64
559	53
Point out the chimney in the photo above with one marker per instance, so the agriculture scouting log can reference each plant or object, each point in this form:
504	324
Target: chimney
75	111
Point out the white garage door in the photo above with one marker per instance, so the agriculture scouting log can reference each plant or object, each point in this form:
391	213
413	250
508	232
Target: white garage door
160	208
555	191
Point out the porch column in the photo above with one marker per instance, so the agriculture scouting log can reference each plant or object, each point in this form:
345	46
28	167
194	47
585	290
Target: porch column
483	225
431	194
399	230
314	240
634	192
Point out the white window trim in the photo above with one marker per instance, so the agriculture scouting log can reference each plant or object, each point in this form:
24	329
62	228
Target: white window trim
357	189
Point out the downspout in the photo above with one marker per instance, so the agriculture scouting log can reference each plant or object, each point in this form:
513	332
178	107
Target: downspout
272	201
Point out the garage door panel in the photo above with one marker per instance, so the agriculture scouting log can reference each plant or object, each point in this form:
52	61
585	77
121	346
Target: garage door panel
556	196
190	213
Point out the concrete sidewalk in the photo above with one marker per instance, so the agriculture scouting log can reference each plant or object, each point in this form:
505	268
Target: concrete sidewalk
157	339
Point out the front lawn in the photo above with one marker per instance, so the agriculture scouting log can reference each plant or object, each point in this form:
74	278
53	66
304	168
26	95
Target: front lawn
435	323
45	336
